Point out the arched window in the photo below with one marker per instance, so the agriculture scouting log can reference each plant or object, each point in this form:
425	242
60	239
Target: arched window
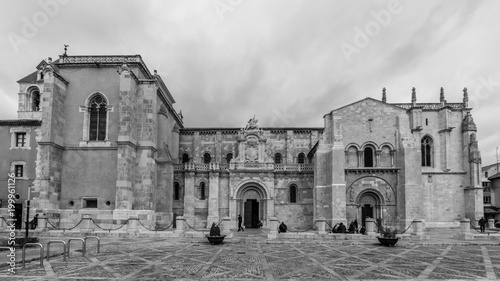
293	193
207	158
35	100
368	157
98	118
185	158
229	156
277	158
177	191
426	151
301	158
202	191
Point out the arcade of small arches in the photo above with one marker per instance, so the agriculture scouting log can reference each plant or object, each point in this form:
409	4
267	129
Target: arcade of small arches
369	155
208	158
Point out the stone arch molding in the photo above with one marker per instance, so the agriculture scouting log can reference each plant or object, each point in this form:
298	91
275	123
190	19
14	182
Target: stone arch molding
374	185
260	187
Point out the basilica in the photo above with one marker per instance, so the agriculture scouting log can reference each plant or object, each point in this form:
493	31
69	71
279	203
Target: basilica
99	136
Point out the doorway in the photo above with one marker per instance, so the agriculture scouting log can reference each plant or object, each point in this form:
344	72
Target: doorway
366	211
251	213
18	215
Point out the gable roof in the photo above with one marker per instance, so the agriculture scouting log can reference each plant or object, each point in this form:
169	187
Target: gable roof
365	99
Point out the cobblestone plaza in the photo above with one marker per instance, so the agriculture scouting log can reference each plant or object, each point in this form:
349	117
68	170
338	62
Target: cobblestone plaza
250	255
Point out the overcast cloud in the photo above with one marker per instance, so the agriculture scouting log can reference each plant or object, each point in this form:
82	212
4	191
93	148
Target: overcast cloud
281	60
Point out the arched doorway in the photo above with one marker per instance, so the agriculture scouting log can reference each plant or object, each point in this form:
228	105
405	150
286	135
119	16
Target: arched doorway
252	204
369	203
251	208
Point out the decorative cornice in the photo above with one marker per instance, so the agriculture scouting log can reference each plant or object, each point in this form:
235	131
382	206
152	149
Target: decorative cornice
374	170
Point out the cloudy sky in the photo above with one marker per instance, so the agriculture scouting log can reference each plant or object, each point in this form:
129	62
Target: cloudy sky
286	61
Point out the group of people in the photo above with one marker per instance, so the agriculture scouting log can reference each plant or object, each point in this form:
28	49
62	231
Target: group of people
353	228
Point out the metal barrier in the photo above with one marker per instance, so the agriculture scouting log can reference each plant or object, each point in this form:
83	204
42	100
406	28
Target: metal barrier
56	241
94	237
76	239
41	253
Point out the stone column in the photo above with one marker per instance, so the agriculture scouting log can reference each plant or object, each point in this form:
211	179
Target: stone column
189	199
213	198
370	226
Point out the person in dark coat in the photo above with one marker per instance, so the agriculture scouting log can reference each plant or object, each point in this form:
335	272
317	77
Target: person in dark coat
240	220
356	225
379	225
34	222
335	228
282	227
342	228
352	228
482	224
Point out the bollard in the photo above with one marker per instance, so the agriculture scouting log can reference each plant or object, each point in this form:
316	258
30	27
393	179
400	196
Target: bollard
56	241
491	223
93	237
274	224
77	239
226	221
465	226
179	223
41	253
370	226
321	225
132	224
42	222
418	227
86	223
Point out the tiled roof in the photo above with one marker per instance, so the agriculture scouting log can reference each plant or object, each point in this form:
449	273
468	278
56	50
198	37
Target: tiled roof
20	122
30	78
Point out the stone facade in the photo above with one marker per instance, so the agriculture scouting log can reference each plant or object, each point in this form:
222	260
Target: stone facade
108	143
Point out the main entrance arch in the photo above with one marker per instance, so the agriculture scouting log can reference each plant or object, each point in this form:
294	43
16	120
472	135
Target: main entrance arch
252	203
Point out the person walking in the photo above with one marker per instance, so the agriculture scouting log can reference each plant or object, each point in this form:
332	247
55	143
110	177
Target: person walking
240	220
482	224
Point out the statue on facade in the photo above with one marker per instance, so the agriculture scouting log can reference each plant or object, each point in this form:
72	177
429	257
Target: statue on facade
474	153
468	123
252	124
